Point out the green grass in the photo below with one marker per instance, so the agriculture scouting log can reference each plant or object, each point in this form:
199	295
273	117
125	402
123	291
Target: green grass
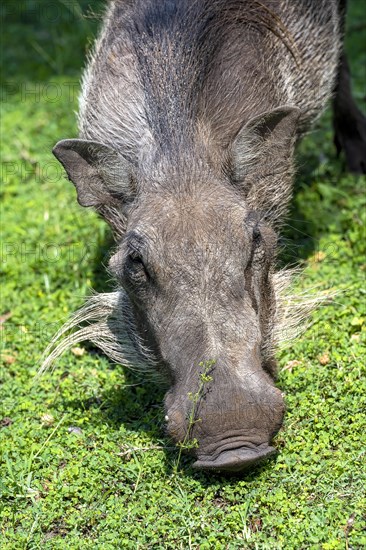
84	460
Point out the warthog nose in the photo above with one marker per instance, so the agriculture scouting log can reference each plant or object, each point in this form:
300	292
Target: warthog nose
236	460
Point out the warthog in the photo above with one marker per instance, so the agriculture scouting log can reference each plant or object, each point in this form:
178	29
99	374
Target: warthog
189	115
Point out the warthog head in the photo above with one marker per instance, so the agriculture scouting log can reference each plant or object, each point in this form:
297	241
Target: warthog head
194	264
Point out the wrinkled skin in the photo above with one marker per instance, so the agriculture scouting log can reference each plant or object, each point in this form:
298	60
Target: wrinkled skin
204	299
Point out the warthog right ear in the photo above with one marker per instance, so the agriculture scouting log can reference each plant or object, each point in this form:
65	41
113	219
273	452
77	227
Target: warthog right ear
102	177
262	160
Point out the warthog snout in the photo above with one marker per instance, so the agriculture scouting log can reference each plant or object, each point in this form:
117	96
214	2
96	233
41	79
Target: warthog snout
198	302
231	419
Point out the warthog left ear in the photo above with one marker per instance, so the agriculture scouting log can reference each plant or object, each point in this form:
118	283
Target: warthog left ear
262	160
102	177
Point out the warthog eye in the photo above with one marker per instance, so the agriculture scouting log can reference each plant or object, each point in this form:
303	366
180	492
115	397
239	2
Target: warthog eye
263	240
135	258
135	268
256	234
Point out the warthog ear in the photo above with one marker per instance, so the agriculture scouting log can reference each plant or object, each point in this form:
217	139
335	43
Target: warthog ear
102	177
262	160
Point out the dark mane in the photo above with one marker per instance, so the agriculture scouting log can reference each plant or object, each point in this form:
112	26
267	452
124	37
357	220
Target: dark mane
175	78
178	46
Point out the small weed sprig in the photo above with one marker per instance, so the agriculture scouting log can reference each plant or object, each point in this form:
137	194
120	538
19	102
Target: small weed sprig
205	377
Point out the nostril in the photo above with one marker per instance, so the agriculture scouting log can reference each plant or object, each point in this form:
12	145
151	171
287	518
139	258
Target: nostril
235	460
176	424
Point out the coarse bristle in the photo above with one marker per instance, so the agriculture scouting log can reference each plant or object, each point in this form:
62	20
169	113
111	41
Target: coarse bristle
103	321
